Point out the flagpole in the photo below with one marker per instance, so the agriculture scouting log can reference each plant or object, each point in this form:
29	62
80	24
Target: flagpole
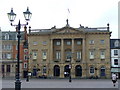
68	13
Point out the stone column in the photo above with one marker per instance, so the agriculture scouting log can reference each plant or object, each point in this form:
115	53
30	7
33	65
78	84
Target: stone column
73	50
62	59
50	72
62	50
83	50
51	49
83	58
72	60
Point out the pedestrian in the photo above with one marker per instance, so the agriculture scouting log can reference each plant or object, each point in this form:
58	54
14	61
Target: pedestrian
114	79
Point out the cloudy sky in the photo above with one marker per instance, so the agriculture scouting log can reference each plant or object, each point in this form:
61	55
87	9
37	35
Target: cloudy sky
47	13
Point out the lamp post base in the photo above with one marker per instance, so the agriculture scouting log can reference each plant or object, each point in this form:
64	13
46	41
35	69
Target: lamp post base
27	79
70	79
17	85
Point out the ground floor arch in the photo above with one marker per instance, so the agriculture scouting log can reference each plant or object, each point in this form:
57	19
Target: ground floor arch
78	71
66	71
56	70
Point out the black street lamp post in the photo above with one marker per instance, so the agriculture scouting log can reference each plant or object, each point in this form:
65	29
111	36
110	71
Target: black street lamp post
27	79
11	17
28	58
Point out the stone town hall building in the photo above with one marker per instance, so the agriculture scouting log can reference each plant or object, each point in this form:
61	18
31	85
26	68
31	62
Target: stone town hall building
57	51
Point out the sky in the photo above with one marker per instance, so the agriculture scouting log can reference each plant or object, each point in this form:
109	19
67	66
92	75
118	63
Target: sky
49	13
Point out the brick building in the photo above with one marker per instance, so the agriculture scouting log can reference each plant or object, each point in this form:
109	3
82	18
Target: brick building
26	54
83	51
9	53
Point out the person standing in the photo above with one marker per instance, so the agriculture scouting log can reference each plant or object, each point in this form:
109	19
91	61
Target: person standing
114	79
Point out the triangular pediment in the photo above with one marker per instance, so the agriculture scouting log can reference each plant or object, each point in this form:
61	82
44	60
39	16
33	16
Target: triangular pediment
67	30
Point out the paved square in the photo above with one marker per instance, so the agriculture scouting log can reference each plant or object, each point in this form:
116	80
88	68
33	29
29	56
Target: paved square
61	83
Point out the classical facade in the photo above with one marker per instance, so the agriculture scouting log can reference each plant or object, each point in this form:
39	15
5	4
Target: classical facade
82	52
115	56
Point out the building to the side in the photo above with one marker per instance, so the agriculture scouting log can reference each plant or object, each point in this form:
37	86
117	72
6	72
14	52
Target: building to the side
0	52
9	53
83	51
26	54
115	56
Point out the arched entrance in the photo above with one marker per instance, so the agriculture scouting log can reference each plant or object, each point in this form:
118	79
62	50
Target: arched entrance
56	70
66	71
102	71
78	71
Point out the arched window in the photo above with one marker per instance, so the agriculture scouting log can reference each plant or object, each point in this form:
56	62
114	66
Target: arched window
116	44
56	70
6	36
102	71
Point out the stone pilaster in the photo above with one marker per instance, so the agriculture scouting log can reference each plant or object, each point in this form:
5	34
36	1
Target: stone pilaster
85	72
51	49
62	71
73	50
83	49
62	50
73	71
